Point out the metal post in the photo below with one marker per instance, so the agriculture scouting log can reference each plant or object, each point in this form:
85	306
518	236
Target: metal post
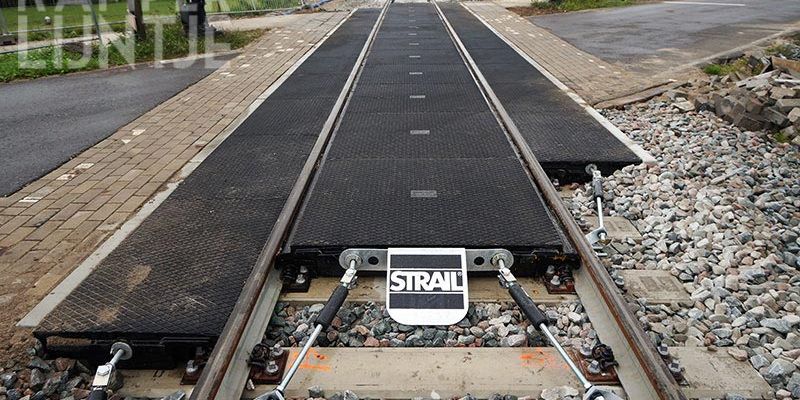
96	22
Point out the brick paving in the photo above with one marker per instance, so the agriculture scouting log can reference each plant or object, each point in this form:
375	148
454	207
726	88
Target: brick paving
590	77
53	224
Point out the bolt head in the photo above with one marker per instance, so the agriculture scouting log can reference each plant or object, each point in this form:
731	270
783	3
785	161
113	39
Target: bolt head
272	367
104	370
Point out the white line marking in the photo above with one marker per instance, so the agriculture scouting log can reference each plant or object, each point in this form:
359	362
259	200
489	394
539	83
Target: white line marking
702	3
420	132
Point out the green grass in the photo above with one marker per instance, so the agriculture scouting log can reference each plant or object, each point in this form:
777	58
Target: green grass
781	137
49	61
739	65
577	5
71	15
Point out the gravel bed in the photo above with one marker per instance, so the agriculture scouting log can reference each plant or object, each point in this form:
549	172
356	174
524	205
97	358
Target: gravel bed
486	325
720	210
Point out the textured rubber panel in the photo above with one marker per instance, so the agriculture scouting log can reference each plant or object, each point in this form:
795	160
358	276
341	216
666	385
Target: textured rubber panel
420	135
561	134
419	160
180	272
483	202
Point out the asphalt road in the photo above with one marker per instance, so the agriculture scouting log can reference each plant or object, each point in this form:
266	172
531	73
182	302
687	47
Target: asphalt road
45	122
658	37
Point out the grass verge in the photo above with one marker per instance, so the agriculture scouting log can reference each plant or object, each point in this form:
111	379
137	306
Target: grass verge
62	60
32	17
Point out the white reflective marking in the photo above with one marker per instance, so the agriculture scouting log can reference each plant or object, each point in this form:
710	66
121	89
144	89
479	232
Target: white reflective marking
420	132
413	44
424	194
417	96
415	73
34	199
414	56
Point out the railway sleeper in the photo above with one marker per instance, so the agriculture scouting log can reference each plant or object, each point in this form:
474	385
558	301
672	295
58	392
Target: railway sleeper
427	272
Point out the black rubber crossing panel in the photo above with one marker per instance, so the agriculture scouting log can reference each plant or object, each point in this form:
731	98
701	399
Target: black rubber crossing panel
420	160
478	202
177	277
562	135
419	135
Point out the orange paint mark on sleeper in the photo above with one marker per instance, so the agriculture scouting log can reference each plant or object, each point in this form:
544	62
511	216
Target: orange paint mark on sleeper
313	361
538	359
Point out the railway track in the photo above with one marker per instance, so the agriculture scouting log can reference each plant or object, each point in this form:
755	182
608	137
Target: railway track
329	210
641	370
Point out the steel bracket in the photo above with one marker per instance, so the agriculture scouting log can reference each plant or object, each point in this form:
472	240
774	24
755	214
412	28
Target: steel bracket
478	260
594	237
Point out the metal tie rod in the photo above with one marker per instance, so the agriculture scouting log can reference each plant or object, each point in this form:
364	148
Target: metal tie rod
119	351
529	308
323	321
599	235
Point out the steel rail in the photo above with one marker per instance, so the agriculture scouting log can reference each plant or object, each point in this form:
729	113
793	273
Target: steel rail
216	380
661	384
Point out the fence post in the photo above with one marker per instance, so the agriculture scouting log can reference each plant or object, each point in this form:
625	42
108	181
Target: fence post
5	35
135	19
96	23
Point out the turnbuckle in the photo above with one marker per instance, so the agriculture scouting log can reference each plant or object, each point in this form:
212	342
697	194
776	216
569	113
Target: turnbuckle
598	236
323	321
532	312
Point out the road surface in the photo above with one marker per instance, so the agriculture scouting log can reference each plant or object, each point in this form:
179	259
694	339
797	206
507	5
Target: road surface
658	37
45	122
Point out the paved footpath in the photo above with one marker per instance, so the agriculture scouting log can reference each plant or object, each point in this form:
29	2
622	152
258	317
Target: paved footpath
53	224
592	78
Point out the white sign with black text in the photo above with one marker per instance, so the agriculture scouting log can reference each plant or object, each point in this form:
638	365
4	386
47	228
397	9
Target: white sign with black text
427	286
